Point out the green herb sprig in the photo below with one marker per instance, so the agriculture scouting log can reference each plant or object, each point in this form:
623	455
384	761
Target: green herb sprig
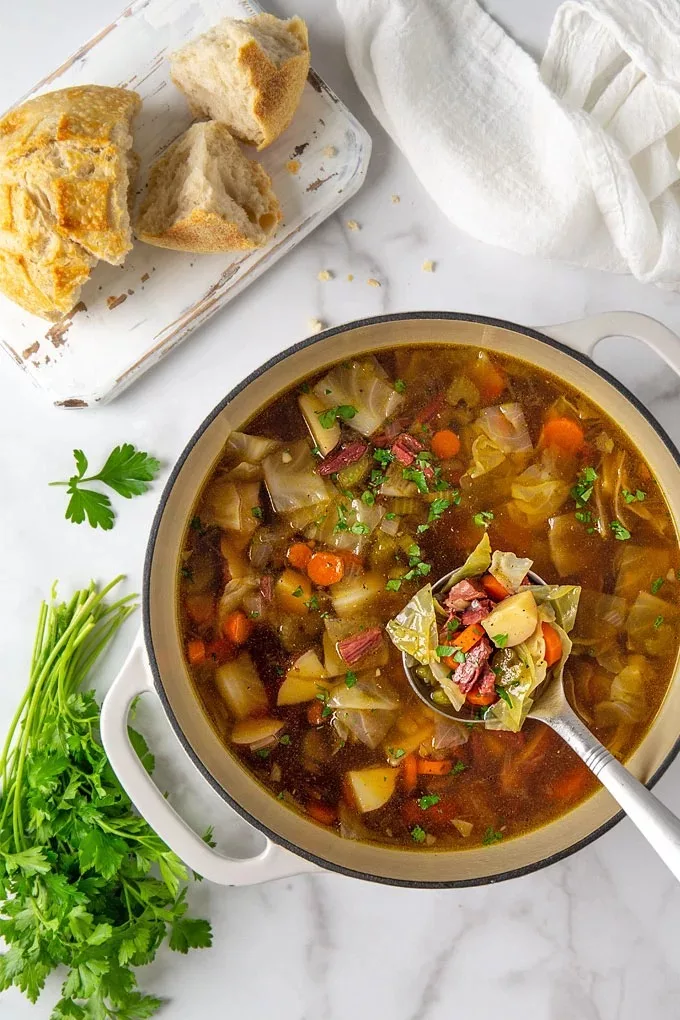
127	471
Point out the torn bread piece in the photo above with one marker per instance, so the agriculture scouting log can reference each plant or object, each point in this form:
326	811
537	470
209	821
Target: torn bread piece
205	196
247	74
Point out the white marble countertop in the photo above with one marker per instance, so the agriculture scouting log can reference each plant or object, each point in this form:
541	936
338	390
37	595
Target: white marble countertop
592	938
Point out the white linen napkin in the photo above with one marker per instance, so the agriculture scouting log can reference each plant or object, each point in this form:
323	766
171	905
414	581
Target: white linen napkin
576	160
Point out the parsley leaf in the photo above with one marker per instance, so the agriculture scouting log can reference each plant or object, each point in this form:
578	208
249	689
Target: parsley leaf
491	836
634	497
126	470
483	519
383	457
298	593
457	768
394	584
428	801
351	678
417	475
500	640
656	585
256	511
367	497
504	695
328	417
443	650
418	834
400	385
620	532
396	752
583	490
658	622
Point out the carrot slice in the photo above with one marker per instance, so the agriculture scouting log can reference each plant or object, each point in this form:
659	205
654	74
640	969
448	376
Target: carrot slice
476	698
553	644
220	651
445	444
409	773
196	652
469	637
299	555
321	812
563	433
237	627
431	767
489	380
493	588
325	568
570	784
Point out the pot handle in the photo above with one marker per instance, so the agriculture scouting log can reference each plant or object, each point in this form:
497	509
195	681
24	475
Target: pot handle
583	335
273	862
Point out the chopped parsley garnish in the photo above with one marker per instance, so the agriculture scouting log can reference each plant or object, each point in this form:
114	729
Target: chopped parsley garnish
312	602
280	795
316	452
584	516
350	678
390	517
394	584
621	533
418	834
187	573
658	622
360	528
304	388
263	752
414	554
253	614
328	418
656	585
411	474
491	836
634	497
285	739
279	670
341	523
457	768
583	490
437	507
502	693
483	519
256	511
383	457
399	385
428	801
196	524
459	655
445	650
500	640
367	497
396	752
323	697
298	593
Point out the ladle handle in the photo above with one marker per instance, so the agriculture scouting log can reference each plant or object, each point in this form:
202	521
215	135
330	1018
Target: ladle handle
658	825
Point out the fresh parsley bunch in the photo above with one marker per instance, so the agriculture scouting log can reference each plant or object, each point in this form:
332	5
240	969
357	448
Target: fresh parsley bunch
127	471
85	883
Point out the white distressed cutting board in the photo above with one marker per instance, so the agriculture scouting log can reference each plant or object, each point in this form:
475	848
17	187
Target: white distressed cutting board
130	317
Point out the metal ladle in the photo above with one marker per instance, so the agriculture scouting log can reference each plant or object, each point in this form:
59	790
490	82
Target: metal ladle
658	825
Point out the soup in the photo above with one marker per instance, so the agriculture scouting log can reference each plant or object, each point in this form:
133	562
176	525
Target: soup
336	505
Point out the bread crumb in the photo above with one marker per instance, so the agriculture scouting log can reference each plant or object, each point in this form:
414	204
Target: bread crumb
324	274
293	166
373	283
353	225
315	325
350	277
330	151
396	199
428	266
286	457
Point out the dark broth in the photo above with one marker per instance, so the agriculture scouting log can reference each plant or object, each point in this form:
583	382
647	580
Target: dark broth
501	784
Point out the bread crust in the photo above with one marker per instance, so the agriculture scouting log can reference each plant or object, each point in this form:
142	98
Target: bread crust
64	184
277	90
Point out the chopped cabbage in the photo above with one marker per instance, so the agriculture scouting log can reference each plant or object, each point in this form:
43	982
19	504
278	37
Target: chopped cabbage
230	505
449	733
651	625
477	563
395	484
252	449
414	630
505	425
234	593
369	728
367	695
361	385
463	391
537	493
347	525
637	567
569	543
486	455
628	687
565	408
562	599
599	620
509	570
292	479
519	670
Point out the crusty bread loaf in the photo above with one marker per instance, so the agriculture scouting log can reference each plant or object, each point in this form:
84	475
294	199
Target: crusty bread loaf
204	195
247	74
65	165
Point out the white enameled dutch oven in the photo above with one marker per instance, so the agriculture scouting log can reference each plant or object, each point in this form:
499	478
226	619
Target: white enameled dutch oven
156	662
